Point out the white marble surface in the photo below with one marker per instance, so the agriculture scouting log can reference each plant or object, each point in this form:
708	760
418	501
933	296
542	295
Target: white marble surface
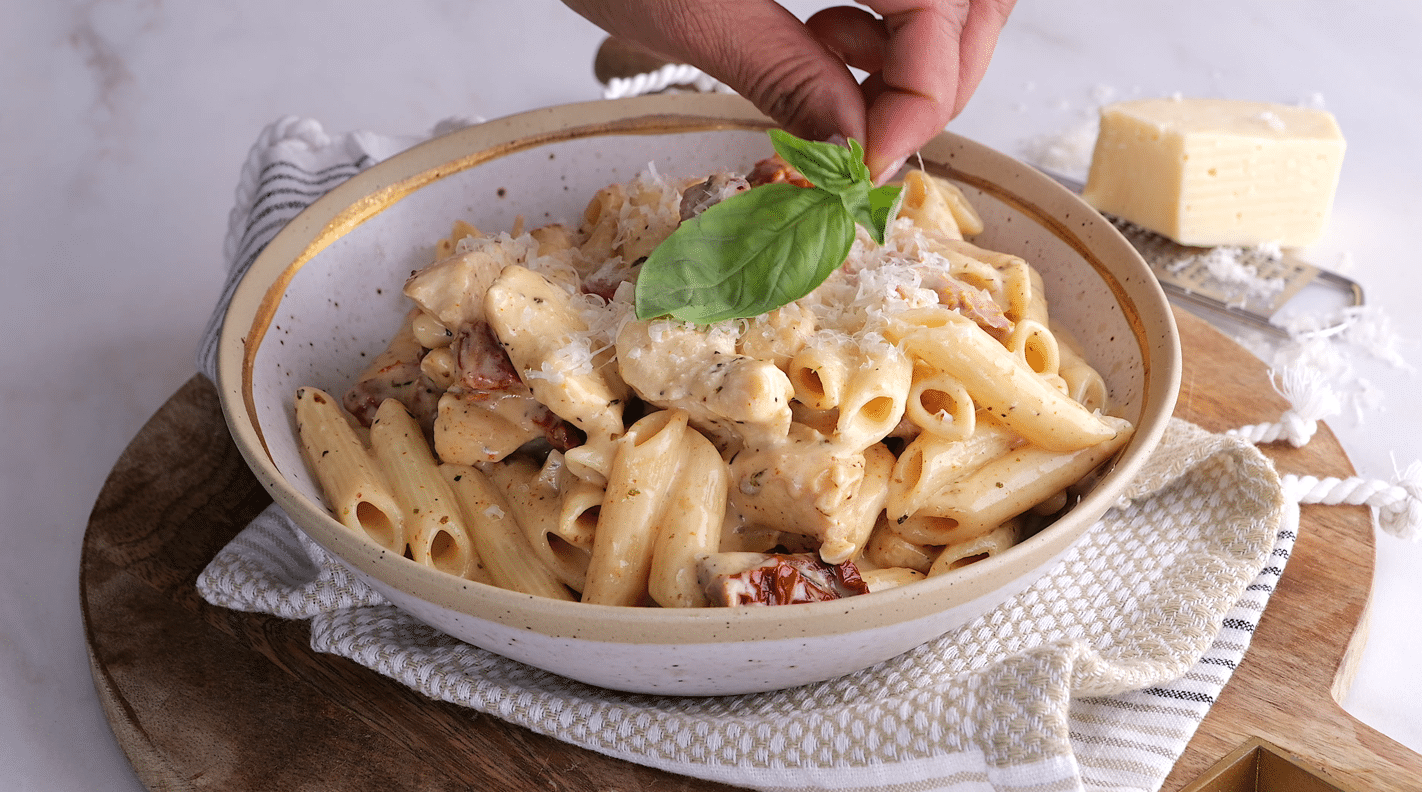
124	123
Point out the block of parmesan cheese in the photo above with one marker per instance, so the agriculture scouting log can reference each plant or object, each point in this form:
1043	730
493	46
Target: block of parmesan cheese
1217	172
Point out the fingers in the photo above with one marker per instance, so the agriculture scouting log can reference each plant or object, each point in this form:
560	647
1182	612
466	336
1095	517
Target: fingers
756	47
935	57
915	94
856	36
984	24
924	59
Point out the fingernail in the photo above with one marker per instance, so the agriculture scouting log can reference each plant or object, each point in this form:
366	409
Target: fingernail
891	171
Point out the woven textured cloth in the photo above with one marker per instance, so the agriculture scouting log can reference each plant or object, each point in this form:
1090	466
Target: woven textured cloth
1093	678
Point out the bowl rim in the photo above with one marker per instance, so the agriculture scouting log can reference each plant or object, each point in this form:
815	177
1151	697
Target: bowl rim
257	296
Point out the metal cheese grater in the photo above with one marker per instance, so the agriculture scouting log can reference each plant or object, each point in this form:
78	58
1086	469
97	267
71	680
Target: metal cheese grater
1186	275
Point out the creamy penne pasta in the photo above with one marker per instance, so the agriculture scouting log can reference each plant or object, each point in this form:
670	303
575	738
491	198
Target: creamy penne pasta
505	551
436	533
893	577
916	413
1018	480
986	545
639	493
939	404
537	507
1000	383
356	489
690	524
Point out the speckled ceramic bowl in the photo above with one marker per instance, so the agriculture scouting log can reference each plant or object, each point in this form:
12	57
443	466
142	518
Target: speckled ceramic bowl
326	294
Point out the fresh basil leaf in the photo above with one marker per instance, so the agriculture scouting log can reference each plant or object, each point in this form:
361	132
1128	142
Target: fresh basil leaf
770	245
855	200
825	165
856	162
746	255
873	208
884	203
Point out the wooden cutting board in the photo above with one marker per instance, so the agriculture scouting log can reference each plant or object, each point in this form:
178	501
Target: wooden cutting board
202	697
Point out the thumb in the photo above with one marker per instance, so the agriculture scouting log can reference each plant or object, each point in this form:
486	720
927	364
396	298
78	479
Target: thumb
756	47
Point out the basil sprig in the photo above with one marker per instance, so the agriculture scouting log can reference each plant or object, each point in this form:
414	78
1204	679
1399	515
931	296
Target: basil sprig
770	245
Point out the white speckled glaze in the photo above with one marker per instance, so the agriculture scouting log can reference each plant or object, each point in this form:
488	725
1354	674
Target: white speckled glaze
325	295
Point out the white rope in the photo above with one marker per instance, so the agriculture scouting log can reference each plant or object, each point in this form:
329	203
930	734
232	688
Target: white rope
1311	398
671	74
1398	503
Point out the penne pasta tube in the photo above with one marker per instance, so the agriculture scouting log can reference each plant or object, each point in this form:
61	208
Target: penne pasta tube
646	464
938	205
887	550
856	522
999	382
1021	296
1085	385
1036	307
536	507
964	213
939	404
867	382
892	577
989	544
499	541
1083	382
435	530
600	222
924	204
926	530
690	525
818	374
1017	481
875	394
354	486
577	519
1035	346
931	462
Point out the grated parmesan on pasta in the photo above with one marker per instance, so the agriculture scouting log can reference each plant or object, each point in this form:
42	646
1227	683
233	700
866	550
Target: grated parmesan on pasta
913	413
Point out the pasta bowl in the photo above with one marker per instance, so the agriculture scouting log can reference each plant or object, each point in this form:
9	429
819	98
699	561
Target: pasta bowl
324	297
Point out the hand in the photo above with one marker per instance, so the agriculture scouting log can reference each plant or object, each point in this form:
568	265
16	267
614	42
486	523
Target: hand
924	59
